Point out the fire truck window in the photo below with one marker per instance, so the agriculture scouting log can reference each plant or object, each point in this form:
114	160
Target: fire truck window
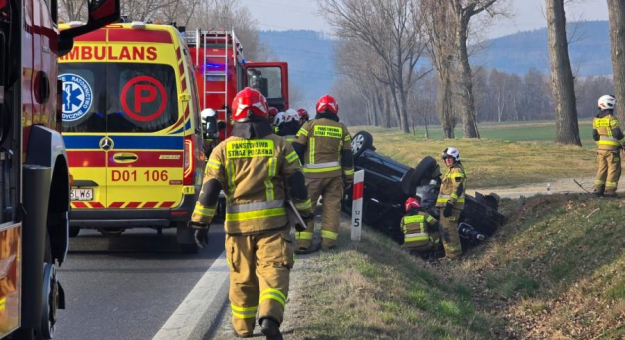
267	80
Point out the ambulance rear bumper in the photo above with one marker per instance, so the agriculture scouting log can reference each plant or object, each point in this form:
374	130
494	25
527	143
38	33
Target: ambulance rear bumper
131	218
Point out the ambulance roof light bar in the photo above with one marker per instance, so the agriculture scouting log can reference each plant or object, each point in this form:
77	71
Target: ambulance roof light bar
138	25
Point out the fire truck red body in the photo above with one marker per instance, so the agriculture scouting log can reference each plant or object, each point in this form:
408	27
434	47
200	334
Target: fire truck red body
34	177
221	71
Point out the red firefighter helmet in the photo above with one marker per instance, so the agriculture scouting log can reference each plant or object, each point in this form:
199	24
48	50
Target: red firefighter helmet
303	115
272	113
412	203
248	103
327	103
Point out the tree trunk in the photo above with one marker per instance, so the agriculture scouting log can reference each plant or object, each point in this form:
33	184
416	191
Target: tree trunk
385	106
405	126
443	98
616	9
467	106
567	130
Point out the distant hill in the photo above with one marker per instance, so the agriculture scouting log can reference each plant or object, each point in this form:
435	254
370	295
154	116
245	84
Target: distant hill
311	55
517	53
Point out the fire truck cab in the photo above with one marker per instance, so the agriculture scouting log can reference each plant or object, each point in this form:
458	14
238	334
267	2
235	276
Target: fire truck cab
34	176
222	71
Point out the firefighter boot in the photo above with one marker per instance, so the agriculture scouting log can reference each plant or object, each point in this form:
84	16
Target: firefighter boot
270	329
614	173
451	239
331	216
305	238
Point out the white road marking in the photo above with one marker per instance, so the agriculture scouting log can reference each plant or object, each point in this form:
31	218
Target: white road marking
199	312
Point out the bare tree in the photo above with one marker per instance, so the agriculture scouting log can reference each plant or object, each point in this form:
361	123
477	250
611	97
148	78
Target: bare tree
463	11
72	10
392	29
439	25
616	9
562	82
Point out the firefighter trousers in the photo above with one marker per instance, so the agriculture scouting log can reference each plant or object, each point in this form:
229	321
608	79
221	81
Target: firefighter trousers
608	171
331	190
259	277
449	233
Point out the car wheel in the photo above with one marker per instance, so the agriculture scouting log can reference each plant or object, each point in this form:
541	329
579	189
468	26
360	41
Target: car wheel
361	142
424	172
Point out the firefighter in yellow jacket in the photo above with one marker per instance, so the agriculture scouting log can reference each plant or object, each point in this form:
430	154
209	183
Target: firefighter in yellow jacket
420	228
251	167
324	146
606	131
451	201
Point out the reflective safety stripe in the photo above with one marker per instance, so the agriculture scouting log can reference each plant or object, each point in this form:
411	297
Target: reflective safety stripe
303	235
329	234
414	219
322	165
239	208
252	215
203	211
244	312
231	172
304	205
442	198
302	132
290	138
347	139
292	157
599	182
348	172
607	140
417	237
311	150
430	218
214	164
271	173
611	184
273	294
454	196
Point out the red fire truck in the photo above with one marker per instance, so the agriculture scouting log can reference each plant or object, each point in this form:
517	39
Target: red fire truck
221	71
34	177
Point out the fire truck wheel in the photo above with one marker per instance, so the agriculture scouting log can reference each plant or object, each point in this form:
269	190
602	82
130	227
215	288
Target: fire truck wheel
74	231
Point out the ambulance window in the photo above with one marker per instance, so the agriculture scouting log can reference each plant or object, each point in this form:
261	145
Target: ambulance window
143	97
118	97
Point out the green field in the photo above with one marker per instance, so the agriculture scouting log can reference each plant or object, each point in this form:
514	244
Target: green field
507	155
509	131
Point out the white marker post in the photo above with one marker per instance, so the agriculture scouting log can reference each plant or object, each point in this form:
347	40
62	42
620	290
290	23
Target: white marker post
357	197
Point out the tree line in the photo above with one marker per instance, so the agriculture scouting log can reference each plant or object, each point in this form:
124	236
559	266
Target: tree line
382	43
499	97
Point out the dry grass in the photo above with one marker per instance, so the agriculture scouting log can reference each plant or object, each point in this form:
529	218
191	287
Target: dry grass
492	163
551	273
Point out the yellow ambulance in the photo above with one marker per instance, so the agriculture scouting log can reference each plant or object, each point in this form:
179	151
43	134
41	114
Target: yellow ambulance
132	128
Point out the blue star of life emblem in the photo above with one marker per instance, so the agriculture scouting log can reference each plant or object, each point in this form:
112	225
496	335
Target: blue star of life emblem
77	96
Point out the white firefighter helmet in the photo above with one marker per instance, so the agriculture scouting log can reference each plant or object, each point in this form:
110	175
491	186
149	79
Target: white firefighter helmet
606	102
279	119
208	113
291	115
451	152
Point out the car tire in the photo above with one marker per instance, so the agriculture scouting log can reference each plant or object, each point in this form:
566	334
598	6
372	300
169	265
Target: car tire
362	141
415	177
74	231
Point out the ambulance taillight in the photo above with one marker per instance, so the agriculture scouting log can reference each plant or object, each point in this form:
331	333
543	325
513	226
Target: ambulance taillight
189	161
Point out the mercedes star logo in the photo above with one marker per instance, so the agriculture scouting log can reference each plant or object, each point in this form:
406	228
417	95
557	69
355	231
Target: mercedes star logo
106	143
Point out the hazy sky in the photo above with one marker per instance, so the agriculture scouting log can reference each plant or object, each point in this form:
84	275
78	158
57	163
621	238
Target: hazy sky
303	14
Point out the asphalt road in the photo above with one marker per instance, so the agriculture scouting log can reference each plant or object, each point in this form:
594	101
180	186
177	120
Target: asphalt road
126	287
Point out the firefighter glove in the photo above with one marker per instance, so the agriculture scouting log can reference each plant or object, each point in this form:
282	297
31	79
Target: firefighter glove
201	233
448	208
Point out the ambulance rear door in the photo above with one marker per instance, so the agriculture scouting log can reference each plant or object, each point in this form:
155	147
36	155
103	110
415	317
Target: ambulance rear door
146	121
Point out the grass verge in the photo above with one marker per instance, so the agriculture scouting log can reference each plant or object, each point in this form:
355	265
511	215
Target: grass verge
492	162
555	271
